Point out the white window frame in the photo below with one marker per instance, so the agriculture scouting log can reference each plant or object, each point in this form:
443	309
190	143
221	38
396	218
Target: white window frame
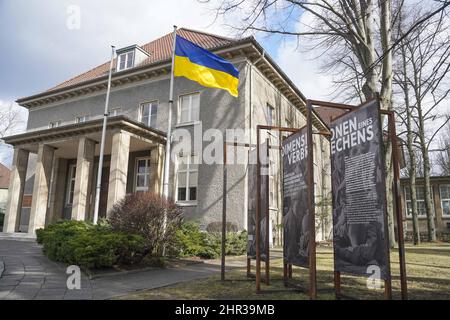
82	118
71	177
444	199
188	172
115	112
421	201
54	124
190	120
125	54
153	104
147	176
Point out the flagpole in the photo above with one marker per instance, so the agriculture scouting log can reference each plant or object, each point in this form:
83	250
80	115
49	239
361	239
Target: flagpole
169	137
102	143
169	125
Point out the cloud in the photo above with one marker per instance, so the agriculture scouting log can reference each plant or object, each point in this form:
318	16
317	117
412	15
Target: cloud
40	51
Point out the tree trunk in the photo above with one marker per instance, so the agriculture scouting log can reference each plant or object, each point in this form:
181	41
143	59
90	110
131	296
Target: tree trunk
426	174
412	154
428	202
386	99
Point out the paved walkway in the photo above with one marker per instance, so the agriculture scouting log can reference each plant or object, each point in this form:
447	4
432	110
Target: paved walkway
28	274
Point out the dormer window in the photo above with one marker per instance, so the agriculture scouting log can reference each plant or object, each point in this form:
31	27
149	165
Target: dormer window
130	57
126	60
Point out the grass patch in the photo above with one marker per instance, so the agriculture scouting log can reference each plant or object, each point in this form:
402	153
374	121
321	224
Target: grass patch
428	270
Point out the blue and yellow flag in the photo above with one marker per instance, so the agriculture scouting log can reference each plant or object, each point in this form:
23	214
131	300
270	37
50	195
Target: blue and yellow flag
204	67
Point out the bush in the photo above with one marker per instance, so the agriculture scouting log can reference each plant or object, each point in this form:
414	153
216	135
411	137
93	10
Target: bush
236	244
88	246
191	241
143	214
216	227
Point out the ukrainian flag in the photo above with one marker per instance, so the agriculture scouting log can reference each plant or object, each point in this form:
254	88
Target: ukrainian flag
204	67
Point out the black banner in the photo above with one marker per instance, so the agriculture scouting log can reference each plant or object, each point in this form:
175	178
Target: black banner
264	198
295	199
359	196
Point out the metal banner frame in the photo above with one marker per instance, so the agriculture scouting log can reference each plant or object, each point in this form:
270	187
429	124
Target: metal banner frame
398	205
287	268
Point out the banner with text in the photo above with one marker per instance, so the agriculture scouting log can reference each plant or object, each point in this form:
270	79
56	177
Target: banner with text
264	200
295	199
359	196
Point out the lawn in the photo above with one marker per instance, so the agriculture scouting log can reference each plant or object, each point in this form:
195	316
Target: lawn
428	270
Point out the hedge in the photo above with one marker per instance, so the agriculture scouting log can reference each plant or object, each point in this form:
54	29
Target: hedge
88	246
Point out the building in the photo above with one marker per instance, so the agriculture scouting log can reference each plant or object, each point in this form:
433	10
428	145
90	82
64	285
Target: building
440	194
64	129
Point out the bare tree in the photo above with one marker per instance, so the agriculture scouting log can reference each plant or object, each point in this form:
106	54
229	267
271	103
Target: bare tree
423	78
354	35
11	120
401	79
443	153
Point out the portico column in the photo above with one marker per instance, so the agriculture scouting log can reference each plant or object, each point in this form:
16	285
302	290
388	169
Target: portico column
85	165
119	168
15	191
157	169
41	187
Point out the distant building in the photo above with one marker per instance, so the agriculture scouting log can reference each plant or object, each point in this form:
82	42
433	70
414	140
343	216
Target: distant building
440	194
4	184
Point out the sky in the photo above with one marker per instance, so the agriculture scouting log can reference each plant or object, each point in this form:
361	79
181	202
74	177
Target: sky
45	42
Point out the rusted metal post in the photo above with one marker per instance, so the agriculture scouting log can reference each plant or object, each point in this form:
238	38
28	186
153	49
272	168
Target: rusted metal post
337	284
224	212
267	213
311	206
258	212
398	207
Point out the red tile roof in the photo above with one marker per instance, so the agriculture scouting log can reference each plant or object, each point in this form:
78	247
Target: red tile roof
4	177
159	50
327	114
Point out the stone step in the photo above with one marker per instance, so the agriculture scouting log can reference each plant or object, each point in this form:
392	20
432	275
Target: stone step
17	236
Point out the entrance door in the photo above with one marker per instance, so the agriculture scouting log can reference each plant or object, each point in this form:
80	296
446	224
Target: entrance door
104	193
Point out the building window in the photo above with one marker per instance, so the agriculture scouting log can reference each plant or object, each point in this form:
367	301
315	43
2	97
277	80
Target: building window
445	199
270	115
81	119
115	112
142	177
187	178
54	124
421	209
148	113
71	184
126	60
189	108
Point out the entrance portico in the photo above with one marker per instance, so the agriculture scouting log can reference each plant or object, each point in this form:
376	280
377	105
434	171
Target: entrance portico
66	170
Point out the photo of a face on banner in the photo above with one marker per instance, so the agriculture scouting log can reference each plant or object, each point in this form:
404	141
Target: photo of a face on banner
359	196
295	199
